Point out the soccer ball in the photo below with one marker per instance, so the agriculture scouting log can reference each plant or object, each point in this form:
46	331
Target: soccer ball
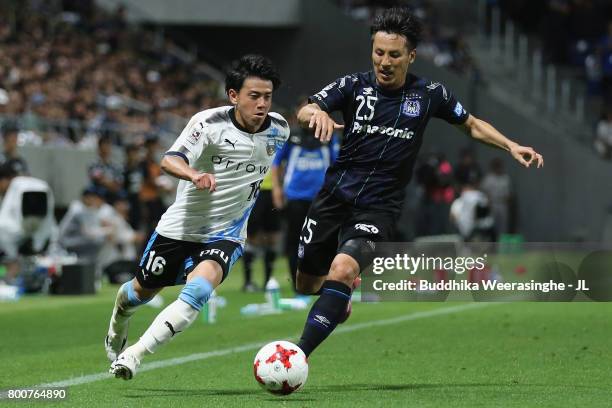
280	367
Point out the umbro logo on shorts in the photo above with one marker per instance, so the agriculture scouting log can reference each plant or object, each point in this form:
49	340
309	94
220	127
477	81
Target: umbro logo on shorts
372	229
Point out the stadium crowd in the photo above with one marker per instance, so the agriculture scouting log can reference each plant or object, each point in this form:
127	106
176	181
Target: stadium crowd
575	34
71	74
441	43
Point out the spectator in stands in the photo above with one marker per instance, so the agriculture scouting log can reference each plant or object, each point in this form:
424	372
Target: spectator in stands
132	184
471	214
105	176
10	156
123	241
603	135
435	177
26	218
498	187
467	169
86	227
154	185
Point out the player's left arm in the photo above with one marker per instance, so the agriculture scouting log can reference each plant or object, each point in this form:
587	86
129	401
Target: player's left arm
486	133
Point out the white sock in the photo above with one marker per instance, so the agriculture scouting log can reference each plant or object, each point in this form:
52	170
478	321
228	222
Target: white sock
123	310
175	318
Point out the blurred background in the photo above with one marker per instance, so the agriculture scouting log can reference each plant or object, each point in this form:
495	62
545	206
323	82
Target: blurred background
93	92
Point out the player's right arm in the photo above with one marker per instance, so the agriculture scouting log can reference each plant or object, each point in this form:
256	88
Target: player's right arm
177	167
333	97
313	117
185	150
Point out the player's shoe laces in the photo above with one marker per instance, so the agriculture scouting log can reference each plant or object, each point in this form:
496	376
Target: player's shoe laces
125	366
349	307
114	345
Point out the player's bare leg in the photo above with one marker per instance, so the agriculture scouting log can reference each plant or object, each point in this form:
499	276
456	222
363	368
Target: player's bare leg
174	319
331	307
130	296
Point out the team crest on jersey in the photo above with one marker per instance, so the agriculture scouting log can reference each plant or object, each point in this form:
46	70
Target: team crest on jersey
274	142
411	108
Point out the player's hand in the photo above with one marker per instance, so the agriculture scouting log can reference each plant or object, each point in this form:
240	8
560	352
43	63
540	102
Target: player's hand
323	125
526	156
204	181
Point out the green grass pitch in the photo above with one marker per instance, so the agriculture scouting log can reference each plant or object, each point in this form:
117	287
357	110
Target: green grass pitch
387	354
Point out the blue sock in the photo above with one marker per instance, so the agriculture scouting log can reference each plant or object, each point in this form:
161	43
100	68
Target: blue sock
132	297
196	292
324	315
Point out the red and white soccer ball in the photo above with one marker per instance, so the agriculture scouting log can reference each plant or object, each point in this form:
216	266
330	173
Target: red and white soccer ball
280	367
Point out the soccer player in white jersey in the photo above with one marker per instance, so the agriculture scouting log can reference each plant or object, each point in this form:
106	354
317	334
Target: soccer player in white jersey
221	158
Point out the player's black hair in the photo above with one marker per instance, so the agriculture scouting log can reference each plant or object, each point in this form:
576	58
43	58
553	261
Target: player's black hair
9	128
398	20
104	139
251	65
92	190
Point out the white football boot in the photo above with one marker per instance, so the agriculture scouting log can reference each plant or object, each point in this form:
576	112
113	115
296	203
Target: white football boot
125	366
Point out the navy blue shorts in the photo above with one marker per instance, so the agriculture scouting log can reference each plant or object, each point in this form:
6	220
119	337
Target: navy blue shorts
330	223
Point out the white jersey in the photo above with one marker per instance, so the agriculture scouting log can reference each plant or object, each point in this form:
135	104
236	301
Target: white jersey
213	142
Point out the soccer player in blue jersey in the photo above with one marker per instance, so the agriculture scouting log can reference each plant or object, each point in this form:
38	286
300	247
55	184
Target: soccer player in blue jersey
385	113
298	171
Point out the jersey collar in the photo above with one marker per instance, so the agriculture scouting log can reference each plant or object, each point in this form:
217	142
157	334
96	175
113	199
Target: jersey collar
410	80
265	125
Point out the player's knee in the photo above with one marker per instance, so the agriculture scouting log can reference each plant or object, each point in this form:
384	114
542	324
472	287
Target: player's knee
344	269
137	294
361	250
196	292
307	284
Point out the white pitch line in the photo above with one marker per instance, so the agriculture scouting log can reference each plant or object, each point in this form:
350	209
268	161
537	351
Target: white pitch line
86	379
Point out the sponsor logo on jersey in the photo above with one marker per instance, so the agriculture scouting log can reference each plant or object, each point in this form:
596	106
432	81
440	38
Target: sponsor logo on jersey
231	143
193	137
227	163
411	108
300	251
368	91
383	130
215	251
459	109
372	229
323	93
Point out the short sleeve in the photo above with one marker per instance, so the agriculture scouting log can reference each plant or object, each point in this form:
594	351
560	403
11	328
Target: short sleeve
282	155
192	140
336	95
446	106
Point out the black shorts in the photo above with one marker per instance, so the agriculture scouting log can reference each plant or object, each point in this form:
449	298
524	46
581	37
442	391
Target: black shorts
167	262
264	217
330	223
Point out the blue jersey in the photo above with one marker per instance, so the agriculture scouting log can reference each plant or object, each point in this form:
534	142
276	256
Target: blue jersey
382	136
306	160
